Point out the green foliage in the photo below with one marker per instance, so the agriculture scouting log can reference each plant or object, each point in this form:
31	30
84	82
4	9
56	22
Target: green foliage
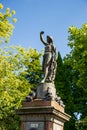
63	83
19	72
6	27
15	64
77	61
59	74
82	124
33	72
78	43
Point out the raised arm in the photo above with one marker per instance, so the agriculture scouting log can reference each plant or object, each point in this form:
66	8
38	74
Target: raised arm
41	38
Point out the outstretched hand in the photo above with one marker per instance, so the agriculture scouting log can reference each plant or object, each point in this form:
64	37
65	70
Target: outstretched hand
42	32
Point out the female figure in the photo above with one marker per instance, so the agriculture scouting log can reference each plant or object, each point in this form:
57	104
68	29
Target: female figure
48	58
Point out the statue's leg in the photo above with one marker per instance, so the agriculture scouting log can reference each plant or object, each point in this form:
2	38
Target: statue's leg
46	62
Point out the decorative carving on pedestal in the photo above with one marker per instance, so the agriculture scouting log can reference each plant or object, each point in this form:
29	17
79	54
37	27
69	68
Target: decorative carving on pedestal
43	109
45	91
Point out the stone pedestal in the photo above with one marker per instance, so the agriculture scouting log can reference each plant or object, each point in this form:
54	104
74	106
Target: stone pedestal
44	88
42	115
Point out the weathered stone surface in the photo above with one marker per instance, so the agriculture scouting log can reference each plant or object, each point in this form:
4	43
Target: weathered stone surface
42	103
42	115
44	89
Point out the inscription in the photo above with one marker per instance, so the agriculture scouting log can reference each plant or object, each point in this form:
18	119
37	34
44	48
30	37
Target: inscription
34	126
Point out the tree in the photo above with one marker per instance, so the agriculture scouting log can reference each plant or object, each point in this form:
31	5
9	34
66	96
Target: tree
14	87
63	85
59	75
78	44
33	71
6	27
77	60
82	124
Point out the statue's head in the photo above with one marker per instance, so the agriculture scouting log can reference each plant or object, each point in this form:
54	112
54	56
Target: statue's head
49	39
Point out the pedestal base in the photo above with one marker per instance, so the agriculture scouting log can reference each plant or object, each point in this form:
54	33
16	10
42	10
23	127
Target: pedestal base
42	115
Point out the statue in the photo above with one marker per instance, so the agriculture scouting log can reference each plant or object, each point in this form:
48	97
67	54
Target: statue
46	88
49	64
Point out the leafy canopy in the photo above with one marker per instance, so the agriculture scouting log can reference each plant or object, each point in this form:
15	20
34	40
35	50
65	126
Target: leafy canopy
14	87
6	27
78	55
77	60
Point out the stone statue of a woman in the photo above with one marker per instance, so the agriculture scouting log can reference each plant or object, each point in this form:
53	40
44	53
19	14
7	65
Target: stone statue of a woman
49	59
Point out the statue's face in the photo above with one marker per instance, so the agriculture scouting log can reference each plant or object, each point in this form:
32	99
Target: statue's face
48	40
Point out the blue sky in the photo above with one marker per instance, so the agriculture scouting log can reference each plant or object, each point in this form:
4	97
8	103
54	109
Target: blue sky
54	17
